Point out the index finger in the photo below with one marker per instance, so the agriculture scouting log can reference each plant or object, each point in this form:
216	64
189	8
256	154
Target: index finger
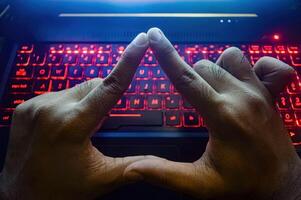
193	87
104	96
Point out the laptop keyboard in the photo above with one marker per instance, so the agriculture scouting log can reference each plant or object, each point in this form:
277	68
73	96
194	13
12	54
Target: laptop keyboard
151	101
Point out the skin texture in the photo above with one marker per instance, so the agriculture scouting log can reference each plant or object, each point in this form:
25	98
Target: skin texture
249	154
50	154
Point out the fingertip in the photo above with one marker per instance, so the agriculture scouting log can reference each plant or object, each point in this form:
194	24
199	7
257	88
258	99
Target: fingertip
141	40
155	35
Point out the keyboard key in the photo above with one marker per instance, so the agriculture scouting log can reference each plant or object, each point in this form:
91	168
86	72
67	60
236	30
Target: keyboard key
142	72
102	59
158	73
58	85
255	49
85	60
41	86
119	119
296	101
22	59
121	104
150	59
162	86
296	60
294	87
106	71
75	72
58	72
191	119
42	72
132	87
104	48
298	118
295	136
186	104
267	49
92	72
154	102
38	59
13	100
136	102
57	48
284	58
73	83
280	49
172	118
54	59
23	73
288	118
26	48
172	101
146	86
5	117
70	59
283	102
21	86
293	49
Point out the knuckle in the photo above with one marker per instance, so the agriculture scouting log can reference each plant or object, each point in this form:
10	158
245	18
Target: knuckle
113	85
185	79
265	61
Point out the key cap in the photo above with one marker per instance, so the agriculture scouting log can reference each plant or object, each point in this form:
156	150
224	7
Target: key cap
58	72
22	60
162	86
254	49
92	72
172	101
150	59
280	49
154	102
13	100
186	104
54	59
104	48
57	48
191	119
294	87
38	59
85	60
42	72
21	86
22	73
296	60
120	119
172	118
293	49
26	48
41	86
146	86
142	72
58	85
296	101
5	117
106	71
102	59
70	59
284	58
267	49
132	87
157	72
121	104
298	118
288	118
73	83
136	102
283	102
75	72
295	135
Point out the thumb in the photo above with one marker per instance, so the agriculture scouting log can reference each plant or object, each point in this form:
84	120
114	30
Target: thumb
191	178
274	74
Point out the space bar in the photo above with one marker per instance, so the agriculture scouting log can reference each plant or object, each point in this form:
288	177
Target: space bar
119	119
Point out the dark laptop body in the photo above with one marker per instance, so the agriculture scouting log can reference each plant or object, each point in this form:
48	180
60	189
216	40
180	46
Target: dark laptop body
46	21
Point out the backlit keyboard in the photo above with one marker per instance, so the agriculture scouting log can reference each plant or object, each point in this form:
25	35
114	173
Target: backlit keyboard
151	101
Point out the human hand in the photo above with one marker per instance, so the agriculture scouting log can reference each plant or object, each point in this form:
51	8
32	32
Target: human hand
50	154
249	154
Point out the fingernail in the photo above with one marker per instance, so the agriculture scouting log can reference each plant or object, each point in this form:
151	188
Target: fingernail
141	39
155	34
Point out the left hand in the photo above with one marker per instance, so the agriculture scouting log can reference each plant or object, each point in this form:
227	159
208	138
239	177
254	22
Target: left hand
50	153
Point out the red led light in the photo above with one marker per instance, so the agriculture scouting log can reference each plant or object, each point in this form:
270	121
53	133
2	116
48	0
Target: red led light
276	37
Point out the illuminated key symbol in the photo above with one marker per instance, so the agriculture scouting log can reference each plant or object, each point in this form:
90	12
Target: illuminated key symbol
18	101
5	118
191	118
173	118
288	118
136	101
21	72
298	102
283	101
92	71
60	86
42	72
141	71
293	85
155	102
292	134
146	86
43	86
75	71
163	86
58	71
119	102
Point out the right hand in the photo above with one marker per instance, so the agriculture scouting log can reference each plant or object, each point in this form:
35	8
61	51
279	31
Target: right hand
249	153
